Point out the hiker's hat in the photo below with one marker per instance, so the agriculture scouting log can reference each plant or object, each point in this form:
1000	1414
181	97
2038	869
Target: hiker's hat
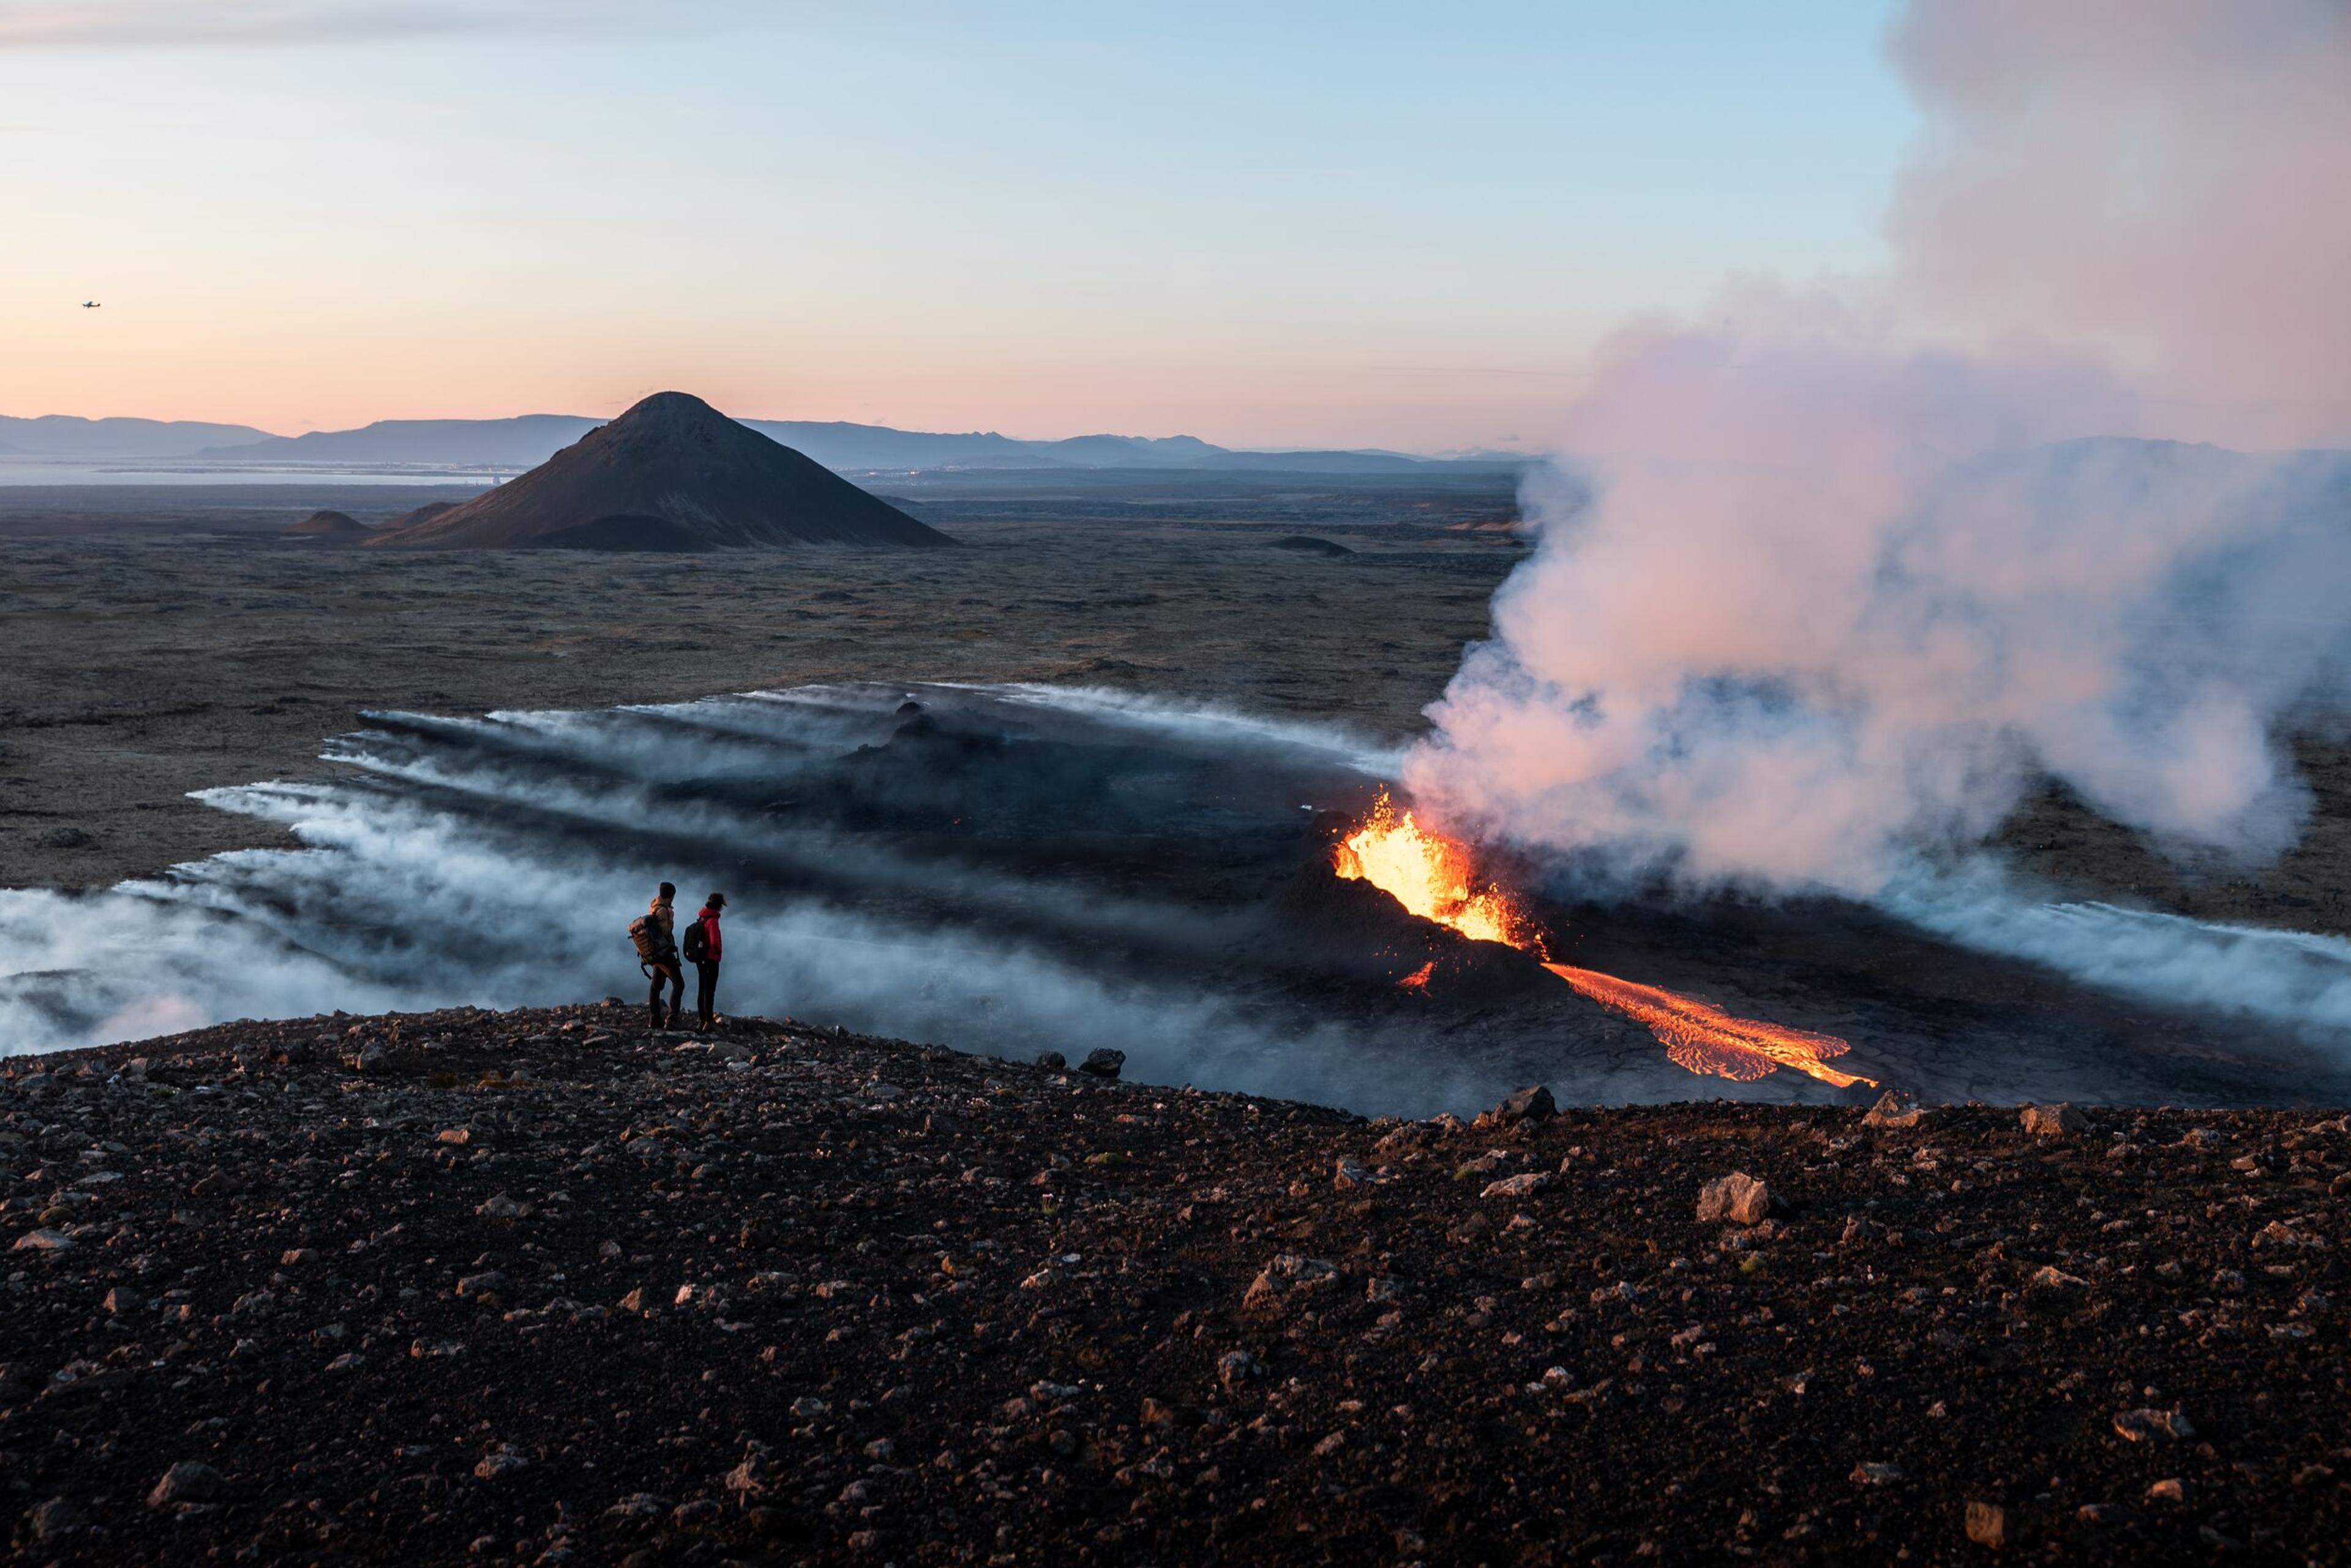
717	901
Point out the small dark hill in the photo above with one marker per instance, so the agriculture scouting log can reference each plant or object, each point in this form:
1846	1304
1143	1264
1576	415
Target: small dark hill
672	475
336	526
423	514
1307	544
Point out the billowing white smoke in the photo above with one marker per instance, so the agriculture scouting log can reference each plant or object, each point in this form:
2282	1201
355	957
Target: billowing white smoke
495	861
1814	587
2159	181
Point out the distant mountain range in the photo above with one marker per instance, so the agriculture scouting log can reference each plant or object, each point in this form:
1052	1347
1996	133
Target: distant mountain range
530	439
61	436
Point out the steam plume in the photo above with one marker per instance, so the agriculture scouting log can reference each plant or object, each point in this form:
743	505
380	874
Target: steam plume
1815	588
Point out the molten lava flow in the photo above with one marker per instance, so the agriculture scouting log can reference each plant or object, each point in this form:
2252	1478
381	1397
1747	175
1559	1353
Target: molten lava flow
1705	1039
1430	875
1435	878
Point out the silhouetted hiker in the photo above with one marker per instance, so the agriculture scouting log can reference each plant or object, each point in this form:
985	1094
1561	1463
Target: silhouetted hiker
655	933
702	950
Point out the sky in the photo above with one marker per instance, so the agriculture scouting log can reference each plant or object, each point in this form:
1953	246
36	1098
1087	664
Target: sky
1352	225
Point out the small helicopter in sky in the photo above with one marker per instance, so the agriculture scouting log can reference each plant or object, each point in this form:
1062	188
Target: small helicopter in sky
89	305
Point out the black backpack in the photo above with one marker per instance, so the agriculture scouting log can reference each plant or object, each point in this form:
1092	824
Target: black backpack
696	943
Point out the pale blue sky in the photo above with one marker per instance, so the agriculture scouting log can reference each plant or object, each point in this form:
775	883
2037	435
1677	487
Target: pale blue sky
1402	225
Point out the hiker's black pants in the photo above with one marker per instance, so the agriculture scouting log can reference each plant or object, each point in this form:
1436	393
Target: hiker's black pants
666	974
705	991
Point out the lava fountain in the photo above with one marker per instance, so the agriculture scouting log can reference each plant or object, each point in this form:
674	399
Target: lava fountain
1436	878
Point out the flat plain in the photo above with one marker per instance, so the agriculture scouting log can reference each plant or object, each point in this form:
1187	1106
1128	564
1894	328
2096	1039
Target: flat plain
165	639
174	642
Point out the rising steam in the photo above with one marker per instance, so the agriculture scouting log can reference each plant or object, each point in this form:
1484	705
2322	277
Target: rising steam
1815	588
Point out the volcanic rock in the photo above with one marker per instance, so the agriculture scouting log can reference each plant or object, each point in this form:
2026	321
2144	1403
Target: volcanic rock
1737	1197
1530	1105
2052	1121
1288	1275
1104	1062
1894	1108
332	526
923	1334
190	1480
1988	1524
2143	1426
673	474
56	1519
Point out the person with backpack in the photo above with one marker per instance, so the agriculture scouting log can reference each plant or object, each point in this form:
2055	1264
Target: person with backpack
653	935
702	951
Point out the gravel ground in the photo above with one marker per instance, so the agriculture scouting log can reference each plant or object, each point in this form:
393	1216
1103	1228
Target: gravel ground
541	1287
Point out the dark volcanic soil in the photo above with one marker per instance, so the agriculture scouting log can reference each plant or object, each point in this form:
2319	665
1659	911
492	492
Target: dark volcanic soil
539	1288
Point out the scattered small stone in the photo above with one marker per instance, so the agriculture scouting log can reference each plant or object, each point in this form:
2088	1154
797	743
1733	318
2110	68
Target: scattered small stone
2147	1425
56	1519
1235	1368
1894	1108
1737	1197
1052	1061
190	1480
2052	1121
638	1505
1533	1103
1988	1524
499	1462
1289	1275
2171	1488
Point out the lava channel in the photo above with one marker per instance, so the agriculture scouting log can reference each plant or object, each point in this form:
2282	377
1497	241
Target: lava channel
1435	878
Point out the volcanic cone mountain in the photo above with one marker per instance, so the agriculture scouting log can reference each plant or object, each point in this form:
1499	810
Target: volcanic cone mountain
672	474
337	526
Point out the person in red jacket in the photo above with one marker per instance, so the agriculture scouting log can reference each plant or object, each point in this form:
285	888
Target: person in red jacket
705	954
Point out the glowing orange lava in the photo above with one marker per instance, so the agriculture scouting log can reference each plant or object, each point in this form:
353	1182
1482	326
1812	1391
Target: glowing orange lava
1436	878
1430	875
1418	980
1705	1039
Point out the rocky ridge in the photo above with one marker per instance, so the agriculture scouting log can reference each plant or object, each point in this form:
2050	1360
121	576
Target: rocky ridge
543	1287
